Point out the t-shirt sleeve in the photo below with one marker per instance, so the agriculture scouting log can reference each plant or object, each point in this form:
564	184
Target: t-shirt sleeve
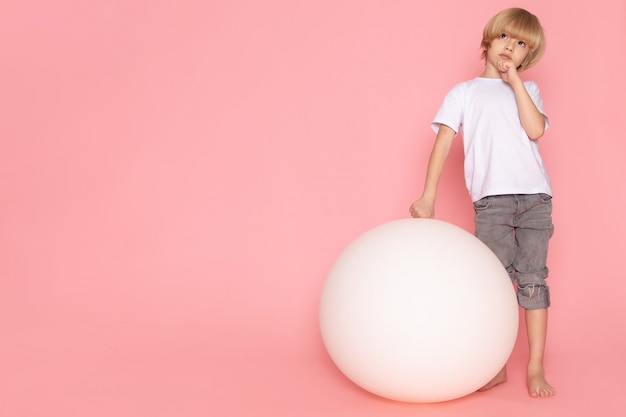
535	95
450	112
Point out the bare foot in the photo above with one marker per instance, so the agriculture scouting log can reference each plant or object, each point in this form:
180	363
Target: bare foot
538	387
497	380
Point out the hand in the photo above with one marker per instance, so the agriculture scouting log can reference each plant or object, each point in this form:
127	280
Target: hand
508	72
423	209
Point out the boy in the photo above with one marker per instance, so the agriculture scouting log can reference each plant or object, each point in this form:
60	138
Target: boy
502	118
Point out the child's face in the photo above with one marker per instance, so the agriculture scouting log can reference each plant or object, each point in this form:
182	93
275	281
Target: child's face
507	48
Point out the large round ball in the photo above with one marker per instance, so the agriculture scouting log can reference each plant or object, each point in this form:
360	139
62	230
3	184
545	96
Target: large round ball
418	310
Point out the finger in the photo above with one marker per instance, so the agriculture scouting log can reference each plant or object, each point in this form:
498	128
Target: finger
505	65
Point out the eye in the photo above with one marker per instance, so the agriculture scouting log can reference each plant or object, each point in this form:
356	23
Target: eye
522	44
504	36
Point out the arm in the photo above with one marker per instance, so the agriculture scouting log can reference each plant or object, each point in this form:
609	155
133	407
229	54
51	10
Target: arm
425	206
533	121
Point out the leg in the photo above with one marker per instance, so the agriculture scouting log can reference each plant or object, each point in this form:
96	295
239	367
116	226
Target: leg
494	227
536	328
534	232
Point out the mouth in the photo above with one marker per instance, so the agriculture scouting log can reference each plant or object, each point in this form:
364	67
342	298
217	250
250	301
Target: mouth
505	57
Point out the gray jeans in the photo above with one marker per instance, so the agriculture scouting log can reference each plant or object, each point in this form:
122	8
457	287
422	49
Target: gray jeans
517	228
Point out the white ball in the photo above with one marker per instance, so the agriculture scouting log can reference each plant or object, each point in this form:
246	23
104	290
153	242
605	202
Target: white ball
418	310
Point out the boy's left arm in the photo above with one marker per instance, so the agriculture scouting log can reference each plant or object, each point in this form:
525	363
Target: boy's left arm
533	121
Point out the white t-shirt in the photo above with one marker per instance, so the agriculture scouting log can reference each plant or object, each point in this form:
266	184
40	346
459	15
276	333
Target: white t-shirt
499	156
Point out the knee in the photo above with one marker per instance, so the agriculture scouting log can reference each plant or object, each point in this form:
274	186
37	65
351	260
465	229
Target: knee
533	296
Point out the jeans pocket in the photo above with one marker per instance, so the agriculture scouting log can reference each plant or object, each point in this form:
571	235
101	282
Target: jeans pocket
482	204
545	197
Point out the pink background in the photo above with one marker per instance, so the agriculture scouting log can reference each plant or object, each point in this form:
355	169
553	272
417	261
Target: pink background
178	177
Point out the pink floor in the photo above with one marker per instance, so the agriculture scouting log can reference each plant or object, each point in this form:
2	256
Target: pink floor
175	379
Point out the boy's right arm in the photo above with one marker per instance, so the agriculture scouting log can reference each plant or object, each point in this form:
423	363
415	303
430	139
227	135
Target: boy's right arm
424	207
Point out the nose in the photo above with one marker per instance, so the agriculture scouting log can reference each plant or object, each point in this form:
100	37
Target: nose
510	45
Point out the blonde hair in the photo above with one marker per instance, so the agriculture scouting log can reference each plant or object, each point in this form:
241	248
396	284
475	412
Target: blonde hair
520	24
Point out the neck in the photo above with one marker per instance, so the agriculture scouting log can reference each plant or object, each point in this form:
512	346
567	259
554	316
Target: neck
490	72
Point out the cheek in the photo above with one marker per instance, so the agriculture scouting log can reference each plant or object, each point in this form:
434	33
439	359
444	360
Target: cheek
522	56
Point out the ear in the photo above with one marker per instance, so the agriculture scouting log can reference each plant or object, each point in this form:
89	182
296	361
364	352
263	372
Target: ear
484	48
